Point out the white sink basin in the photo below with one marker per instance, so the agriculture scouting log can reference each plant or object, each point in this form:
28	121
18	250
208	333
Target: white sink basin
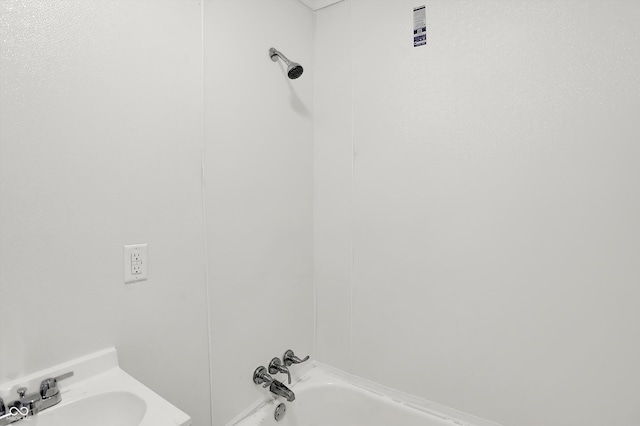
106	409
98	394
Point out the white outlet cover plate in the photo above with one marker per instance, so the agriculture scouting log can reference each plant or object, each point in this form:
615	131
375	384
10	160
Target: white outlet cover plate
140	253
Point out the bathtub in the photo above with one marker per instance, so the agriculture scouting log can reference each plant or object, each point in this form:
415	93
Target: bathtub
330	397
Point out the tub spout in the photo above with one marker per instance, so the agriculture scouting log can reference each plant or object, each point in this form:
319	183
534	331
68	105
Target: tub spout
280	389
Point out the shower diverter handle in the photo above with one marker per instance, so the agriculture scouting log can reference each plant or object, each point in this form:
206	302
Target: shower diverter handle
290	358
275	366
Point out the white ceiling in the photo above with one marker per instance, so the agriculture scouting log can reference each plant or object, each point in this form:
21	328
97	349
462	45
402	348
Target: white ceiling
319	4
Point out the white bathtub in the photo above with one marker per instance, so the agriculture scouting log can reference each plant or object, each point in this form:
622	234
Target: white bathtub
329	397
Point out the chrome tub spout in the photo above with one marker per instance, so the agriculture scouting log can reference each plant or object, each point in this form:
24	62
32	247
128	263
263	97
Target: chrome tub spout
280	389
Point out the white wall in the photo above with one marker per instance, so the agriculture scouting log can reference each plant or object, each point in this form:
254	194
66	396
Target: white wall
259	193
333	149
100	146
102	134
476	199
495	205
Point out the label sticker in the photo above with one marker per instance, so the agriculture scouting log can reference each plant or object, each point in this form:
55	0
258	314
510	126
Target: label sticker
419	26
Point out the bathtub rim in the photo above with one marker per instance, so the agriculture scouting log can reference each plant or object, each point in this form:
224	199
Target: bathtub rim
315	374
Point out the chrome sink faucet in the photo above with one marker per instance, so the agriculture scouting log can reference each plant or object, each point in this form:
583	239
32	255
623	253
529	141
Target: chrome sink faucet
28	405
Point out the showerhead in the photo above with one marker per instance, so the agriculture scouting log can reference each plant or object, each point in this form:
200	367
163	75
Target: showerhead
294	69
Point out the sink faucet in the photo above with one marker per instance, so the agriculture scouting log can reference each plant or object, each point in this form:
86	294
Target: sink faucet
31	402
28	405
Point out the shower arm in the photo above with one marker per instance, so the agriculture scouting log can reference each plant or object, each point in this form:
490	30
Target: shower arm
274	54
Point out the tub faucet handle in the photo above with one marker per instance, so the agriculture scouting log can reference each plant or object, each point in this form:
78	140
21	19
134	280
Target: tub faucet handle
275	366
290	358
261	377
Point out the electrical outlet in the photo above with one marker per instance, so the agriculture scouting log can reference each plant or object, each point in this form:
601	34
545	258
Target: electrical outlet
135	263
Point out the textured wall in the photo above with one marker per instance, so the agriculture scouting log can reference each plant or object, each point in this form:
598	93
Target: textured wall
100	146
259	192
496	196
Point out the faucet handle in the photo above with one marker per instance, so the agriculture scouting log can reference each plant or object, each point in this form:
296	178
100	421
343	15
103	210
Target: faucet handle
64	376
290	358
49	387
276	366
22	392
261	377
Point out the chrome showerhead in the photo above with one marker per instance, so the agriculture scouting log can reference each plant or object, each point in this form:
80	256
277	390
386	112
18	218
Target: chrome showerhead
294	69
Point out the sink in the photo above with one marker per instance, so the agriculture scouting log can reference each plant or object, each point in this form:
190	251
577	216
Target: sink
99	393
106	409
